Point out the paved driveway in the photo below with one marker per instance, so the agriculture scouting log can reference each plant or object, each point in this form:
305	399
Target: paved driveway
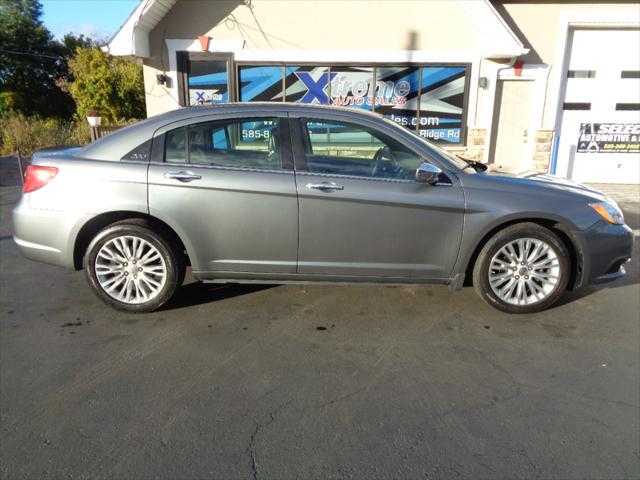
313	381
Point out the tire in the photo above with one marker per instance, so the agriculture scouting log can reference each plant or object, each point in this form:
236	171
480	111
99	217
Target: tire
531	287
134	283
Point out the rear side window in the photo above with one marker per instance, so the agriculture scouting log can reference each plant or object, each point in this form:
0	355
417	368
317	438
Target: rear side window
237	143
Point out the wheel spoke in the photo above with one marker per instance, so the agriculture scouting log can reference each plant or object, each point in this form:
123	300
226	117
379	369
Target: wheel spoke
104	269
151	281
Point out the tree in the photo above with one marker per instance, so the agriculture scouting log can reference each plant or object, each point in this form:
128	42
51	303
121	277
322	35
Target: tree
111	85
30	62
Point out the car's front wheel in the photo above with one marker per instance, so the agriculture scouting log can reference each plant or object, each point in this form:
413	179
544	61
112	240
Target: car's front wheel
524	268
131	267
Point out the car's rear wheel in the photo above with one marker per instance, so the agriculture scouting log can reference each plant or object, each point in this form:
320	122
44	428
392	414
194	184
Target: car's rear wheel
524	268
131	267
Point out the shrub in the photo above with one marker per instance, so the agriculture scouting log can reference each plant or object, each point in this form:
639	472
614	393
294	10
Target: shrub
111	85
24	135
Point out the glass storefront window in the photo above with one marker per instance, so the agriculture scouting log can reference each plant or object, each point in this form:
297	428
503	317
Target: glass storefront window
396	94
351	87
208	81
442	103
261	83
307	84
428	99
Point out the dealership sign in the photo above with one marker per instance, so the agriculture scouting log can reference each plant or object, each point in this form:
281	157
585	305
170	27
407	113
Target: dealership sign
609	138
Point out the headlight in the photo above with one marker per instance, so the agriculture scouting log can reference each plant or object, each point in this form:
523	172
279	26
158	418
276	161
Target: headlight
609	211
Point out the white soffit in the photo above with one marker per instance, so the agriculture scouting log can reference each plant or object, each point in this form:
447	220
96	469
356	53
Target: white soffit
133	36
498	40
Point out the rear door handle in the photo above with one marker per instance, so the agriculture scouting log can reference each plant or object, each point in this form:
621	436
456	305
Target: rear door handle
325	186
182	176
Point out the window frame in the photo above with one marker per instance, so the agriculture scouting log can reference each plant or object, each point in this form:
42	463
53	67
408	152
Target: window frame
158	150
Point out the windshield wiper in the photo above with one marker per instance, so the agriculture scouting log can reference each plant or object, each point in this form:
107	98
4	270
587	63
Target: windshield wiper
477	166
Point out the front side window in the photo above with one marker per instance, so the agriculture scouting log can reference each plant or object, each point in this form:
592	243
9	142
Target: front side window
237	143
338	148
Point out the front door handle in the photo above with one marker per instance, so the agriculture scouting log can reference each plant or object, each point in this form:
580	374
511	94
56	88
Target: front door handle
325	186
182	176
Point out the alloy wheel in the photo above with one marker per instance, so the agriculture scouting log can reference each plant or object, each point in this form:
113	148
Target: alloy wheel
524	271
130	269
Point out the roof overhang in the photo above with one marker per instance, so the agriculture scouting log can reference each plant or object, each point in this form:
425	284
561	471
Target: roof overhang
499	41
132	39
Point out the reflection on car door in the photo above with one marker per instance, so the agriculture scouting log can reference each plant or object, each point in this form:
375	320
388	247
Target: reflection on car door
228	186
365	224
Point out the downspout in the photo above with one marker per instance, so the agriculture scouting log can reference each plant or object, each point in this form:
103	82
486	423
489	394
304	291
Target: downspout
554	154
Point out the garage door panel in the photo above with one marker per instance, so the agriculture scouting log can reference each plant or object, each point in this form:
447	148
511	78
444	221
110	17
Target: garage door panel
597	92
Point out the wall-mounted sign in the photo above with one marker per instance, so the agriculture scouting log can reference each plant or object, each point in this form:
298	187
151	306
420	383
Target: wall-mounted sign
609	138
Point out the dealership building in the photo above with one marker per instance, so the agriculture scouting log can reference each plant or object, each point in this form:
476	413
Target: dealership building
544	86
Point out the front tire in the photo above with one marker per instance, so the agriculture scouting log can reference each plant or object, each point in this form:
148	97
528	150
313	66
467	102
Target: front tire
132	268
524	268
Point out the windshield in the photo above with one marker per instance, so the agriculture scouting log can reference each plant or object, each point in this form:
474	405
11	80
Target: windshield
437	151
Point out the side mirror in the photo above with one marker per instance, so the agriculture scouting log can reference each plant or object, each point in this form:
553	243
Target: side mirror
428	173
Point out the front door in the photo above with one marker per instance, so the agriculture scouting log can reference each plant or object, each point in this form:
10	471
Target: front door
229	188
511	147
361	211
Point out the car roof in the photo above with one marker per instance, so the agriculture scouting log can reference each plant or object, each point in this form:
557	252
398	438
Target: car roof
188	112
117	144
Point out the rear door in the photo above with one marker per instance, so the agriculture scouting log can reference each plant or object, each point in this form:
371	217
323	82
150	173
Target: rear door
227	187
361	211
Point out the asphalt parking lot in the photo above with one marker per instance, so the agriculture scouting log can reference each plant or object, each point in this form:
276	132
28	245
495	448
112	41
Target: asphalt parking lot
314	381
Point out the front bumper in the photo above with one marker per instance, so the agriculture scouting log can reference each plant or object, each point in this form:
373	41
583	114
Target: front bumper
603	249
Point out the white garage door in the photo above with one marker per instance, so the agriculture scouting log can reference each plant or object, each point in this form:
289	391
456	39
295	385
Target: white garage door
600	129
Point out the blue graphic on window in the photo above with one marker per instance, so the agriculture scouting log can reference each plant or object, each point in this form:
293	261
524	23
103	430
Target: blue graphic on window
208	82
429	100
307	84
220	139
260	84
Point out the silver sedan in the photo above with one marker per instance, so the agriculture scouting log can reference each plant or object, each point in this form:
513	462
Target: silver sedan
297	193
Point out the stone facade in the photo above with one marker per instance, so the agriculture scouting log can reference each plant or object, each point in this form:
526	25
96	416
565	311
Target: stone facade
542	150
476	142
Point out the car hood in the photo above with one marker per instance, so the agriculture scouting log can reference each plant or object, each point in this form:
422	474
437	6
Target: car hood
535	179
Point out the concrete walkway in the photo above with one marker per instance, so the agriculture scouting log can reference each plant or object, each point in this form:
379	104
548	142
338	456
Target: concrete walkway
621	193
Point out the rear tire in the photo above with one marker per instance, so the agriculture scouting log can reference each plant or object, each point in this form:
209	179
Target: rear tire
133	268
524	268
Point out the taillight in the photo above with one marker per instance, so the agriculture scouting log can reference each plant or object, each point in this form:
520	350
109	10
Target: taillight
37	177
